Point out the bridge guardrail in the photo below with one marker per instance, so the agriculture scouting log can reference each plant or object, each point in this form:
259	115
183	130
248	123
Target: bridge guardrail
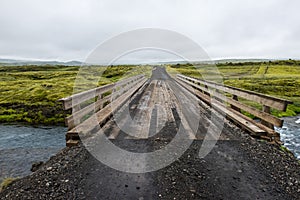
95	104
226	100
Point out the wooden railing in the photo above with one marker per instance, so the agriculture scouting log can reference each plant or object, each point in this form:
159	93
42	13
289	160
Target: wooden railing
93	107
225	99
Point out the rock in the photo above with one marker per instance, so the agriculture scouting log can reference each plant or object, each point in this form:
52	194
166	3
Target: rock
35	166
49	168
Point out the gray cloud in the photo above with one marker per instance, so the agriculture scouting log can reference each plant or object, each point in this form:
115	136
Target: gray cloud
68	30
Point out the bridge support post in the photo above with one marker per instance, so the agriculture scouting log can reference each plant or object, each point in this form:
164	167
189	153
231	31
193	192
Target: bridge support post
267	109
234	97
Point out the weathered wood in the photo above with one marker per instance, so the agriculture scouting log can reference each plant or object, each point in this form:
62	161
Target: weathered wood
72	136
267	109
230	113
271	134
76	109
75	118
274	102
239	118
71	143
77	123
262	115
234	107
76	99
101	116
94	107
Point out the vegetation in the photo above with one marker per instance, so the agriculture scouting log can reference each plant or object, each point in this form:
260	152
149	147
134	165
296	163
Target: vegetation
6	182
29	93
286	150
276	78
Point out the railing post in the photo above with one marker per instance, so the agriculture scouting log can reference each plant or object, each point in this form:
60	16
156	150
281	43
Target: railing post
207	93
235	97
100	96
267	109
218	92
75	109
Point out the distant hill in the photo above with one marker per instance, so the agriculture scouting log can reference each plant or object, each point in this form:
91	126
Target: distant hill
241	60
213	61
34	62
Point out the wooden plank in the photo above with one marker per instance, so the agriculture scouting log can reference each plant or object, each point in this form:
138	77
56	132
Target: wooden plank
262	115
71	143
271	134
199	94
72	136
239	119
102	115
76	99
70	120
251	127
124	88
274	102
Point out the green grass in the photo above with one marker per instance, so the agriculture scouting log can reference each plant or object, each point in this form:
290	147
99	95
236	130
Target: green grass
29	93
278	78
6	182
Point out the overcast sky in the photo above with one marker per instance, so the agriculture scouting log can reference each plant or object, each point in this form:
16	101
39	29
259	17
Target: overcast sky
69	30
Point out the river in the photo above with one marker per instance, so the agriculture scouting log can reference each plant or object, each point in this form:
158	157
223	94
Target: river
21	146
290	134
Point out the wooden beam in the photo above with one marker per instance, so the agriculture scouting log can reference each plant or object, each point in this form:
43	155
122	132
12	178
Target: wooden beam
101	116
267	109
260	114
71	143
76	99
70	120
237	118
234	107
274	102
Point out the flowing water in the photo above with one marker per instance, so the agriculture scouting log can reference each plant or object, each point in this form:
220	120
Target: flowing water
21	146
290	134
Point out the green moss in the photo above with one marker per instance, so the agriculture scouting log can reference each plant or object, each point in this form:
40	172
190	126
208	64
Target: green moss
286	150
30	93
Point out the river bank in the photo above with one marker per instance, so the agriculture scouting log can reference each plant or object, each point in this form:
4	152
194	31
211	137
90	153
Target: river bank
21	146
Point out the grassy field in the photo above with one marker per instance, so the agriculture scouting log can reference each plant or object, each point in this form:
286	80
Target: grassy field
277	78
29	93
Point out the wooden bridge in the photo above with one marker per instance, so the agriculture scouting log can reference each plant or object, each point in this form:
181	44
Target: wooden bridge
93	108
144	138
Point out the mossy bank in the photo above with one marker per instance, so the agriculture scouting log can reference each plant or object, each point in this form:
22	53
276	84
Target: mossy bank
29	94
